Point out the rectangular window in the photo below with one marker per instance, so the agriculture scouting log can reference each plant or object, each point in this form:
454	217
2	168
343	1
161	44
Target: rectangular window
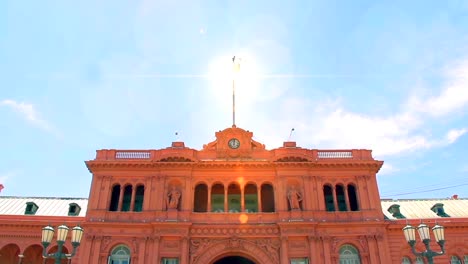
300	261
170	261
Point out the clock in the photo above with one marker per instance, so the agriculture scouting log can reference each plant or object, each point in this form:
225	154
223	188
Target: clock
234	143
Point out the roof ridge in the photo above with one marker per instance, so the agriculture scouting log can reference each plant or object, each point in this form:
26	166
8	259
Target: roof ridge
43	197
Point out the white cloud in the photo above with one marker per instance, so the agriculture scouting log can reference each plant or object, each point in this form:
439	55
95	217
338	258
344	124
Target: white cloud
28	112
452	97
388	169
384	135
454	134
330	125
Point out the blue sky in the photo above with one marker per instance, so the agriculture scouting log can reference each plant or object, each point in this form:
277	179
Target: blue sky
78	76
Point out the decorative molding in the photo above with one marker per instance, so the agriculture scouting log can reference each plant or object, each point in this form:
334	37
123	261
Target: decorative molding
222	231
347	164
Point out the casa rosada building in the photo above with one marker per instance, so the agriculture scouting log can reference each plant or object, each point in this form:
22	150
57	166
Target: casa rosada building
233	201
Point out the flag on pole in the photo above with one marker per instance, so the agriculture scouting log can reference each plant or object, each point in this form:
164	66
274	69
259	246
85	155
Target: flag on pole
236	64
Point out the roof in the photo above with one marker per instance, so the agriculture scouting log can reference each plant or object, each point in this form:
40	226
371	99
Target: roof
59	206
421	208
48	206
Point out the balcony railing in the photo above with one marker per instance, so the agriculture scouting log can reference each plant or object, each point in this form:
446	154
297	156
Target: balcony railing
132	155
335	154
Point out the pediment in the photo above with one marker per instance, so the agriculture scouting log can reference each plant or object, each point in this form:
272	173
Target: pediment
234	142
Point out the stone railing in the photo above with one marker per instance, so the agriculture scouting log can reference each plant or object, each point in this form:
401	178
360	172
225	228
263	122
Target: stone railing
334	154
186	154
132	154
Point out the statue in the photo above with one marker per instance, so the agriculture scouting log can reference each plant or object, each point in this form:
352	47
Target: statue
173	198
294	197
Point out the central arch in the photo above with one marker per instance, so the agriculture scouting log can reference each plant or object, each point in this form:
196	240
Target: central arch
234	260
220	251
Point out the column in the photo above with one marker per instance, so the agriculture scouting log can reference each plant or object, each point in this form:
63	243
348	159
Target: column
155	251
312	249
326	250
284	250
148	193
86	247
96	190
142	250
259	199
122	190
382	246
345	187
226	207
335	200
132	200
363	196
184	258
95	250
320	197
374	258
208	208
242	199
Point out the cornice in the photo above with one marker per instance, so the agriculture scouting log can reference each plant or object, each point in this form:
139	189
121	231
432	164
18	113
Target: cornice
228	164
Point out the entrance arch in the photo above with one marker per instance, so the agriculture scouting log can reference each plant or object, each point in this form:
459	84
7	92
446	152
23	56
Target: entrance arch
213	251
234	260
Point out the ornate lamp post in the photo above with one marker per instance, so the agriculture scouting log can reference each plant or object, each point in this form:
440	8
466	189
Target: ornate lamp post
423	231
62	231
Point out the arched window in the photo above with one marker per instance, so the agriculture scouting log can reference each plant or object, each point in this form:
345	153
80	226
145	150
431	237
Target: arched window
120	255
405	260
114	204
251	198
200	198
217	198
349	255
139	197
268	198
234	198
9	253
352	198
340	197
328	195
455	260
33	254
419	260
127	198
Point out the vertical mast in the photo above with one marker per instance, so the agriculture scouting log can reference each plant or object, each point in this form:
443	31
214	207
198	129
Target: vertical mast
236	68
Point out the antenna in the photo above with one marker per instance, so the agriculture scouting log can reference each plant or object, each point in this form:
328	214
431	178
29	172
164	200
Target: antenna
235	69
290	133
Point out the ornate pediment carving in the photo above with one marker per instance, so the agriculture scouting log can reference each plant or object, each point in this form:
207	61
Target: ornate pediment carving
234	142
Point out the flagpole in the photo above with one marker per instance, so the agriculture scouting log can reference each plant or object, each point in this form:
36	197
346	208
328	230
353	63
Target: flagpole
235	69
233	103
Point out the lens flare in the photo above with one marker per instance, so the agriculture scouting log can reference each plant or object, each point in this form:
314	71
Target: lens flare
243	218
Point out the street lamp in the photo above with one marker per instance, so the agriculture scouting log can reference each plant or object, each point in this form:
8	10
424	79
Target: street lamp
62	231
423	230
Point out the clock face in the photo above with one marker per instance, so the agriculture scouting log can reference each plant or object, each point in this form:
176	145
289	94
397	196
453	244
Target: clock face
234	143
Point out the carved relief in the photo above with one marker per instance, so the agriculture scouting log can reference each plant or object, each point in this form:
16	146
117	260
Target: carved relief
233	243
135	245
105	243
271	246
196	246
171	244
204	249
